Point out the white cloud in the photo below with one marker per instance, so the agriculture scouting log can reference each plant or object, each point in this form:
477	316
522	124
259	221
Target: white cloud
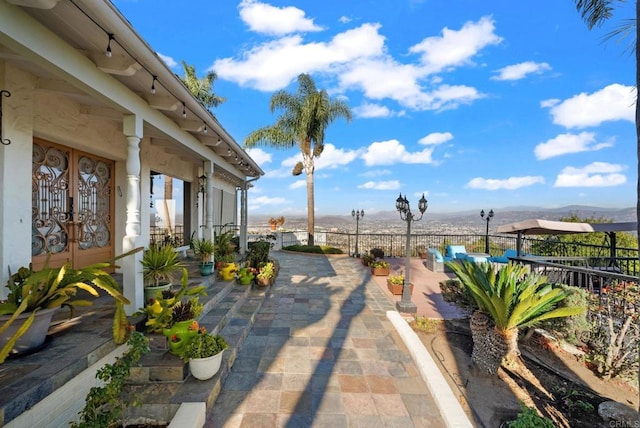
392	152
167	60
344	19
368	110
298	184
455	48
569	143
273	65
436	138
331	158
261	201
520	71
614	102
510	183
596	174
359	61
376	173
272	20
259	156
380	185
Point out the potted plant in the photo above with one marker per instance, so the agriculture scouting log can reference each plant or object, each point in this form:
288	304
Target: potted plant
204	354
379	268
34	295
159	264
245	275
395	284
204	248
276	222
266	274
366	259
224	248
161	312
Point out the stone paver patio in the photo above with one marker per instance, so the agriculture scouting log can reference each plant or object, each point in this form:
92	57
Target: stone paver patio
322	353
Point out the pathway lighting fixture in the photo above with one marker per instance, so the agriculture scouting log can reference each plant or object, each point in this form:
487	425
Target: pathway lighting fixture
486	234
357	214
402	205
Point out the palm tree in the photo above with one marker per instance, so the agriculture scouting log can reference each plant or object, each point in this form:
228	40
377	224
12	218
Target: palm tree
306	115
507	299
594	13
202	88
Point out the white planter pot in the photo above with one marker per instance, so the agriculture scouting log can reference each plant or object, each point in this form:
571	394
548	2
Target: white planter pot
205	368
34	337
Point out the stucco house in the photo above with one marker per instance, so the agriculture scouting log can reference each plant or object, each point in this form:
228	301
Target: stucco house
89	115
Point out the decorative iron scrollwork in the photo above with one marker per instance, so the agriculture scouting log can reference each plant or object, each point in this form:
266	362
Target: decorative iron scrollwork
3	141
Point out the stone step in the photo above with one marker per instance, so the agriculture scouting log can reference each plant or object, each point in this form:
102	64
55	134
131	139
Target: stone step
160	399
223	300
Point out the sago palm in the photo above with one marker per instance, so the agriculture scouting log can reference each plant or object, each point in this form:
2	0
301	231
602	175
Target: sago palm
304	120
508	298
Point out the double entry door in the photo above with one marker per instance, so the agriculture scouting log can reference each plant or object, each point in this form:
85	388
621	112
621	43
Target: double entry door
72	206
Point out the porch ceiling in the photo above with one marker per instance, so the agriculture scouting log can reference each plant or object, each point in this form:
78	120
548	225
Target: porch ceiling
85	25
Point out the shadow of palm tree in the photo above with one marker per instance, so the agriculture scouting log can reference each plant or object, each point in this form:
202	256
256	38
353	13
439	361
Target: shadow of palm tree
296	344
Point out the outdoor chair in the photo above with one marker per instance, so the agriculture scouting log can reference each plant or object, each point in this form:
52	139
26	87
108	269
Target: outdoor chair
434	260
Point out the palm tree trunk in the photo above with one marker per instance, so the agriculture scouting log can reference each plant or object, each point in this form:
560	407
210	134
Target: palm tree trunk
638	140
311	220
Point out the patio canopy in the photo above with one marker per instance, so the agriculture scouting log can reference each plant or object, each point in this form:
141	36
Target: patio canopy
550	227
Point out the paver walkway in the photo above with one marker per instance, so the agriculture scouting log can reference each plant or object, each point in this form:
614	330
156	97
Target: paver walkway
322	353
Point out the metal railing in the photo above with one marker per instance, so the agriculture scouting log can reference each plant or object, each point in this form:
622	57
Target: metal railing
394	245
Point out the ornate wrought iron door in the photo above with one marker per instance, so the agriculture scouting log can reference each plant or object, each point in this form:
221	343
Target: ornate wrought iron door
72	206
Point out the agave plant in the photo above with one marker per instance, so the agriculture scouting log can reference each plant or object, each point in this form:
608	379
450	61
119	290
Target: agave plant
31	291
508	299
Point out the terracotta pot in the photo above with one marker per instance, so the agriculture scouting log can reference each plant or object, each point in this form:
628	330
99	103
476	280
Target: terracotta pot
396	289
263	282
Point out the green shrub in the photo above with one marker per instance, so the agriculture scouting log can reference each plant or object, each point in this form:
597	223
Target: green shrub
105	405
377	253
529	418
572	329
315	249
455	293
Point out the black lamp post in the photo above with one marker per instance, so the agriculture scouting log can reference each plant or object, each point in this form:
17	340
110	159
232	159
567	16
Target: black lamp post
357	214
402	205
486	234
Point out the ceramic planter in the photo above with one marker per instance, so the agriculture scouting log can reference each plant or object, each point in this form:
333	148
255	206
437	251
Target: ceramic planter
205	368
245	280
228	271
206	269
396	289
34	337
150	292
179	335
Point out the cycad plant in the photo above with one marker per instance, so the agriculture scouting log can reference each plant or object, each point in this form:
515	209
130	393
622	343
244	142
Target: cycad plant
508	298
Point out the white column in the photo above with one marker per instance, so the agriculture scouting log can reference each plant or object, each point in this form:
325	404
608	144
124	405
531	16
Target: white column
15	172
131	266
208	172
243	219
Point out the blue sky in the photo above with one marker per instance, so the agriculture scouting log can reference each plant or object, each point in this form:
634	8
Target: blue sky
476	104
